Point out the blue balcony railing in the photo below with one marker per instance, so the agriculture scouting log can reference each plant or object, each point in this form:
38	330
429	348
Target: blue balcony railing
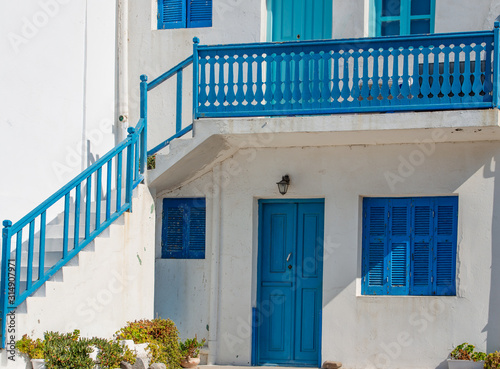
422	72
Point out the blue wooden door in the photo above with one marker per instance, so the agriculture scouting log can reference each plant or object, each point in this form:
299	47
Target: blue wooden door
295	20
290	283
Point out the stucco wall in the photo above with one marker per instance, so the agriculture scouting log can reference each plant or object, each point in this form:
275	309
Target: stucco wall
360	331
57	95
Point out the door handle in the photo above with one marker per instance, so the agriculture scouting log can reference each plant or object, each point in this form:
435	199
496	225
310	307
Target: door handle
289	256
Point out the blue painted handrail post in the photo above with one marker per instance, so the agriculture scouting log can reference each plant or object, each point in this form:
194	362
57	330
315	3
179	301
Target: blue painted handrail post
4	286
496	62
130	168
144	115
196	41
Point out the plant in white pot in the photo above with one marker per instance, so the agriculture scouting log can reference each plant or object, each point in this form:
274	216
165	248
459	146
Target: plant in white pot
492	361
190	350
464	356
34	349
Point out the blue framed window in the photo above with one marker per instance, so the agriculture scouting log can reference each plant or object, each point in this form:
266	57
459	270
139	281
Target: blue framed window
409	246
184	14
403	17
183	228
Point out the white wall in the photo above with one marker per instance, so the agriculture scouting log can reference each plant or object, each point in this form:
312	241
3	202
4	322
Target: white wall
360	331
56	96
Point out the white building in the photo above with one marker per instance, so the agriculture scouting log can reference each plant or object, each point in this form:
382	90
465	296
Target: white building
382	253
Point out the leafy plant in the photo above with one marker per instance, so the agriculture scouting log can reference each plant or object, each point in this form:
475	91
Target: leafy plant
492	361
151	162
161	335
33	348
466	351
191	347
67	351
112	353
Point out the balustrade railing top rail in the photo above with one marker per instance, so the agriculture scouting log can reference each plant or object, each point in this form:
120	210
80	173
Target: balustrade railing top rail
422	72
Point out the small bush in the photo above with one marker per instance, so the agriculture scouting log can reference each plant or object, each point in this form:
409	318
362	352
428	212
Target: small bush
492	361
33	348
151	162
111	353
162	338
67	351
466	351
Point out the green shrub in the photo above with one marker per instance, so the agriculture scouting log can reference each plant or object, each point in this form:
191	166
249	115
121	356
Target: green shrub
466	351
112	353
162	338
67	351
151	162
492	361
33	348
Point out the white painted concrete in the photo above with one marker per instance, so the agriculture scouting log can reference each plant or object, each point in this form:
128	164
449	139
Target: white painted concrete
360	331
111	283
56	96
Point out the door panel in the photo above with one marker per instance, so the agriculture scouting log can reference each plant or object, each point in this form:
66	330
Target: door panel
294	20
290	289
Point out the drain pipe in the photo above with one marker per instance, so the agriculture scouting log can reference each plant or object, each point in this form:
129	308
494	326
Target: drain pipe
121	111
214	266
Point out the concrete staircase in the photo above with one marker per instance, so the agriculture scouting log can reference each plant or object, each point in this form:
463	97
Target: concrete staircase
110	282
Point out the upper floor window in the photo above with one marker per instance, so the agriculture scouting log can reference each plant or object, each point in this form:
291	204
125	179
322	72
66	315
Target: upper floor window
404	17
184	13
409	246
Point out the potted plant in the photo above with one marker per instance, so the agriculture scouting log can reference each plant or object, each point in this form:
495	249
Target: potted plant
34	349
190	350
492	361
464	356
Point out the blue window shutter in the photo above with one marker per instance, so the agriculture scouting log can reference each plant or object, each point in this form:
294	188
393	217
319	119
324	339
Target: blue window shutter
375	230
399	246
446	216
183	228
171	14
421	258
199	13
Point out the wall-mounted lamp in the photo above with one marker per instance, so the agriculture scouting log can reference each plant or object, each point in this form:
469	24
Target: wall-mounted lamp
283	184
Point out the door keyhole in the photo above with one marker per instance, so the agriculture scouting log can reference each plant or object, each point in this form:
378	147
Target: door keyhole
289	267
298	36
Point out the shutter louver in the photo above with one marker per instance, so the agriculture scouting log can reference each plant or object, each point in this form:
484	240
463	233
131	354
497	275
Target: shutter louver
445	254
422	247
399	241
376	264
172	14
173	248
197	233
375	247
199	13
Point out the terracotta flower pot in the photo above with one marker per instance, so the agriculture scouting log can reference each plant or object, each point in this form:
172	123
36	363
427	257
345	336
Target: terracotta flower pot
190	362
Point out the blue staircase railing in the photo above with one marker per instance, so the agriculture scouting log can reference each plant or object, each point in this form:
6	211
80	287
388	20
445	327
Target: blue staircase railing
91	202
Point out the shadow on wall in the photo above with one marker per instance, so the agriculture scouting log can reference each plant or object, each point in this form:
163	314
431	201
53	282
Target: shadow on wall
493	326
